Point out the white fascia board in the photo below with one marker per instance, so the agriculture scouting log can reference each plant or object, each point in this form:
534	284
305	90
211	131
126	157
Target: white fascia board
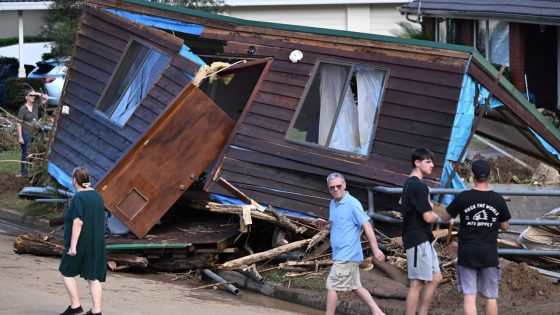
24	6
244	3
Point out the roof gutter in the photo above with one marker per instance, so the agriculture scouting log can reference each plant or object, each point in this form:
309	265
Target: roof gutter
474	15
25	6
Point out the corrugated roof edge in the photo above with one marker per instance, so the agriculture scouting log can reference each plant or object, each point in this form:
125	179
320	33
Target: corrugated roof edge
304	29
489	68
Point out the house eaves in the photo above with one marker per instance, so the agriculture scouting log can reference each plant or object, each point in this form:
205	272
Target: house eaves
24	5
523	11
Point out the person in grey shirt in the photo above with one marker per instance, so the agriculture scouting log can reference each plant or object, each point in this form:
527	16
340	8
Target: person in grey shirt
28	116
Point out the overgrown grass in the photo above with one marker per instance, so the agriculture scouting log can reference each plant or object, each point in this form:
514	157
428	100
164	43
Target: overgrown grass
10	167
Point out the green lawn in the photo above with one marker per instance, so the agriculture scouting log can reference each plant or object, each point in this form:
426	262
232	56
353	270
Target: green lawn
10	167
12	201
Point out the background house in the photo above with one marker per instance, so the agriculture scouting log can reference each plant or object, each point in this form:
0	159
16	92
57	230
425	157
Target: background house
32	11
376	17
20	18
521	34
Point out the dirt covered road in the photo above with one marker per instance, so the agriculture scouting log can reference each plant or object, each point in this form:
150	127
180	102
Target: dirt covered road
31	285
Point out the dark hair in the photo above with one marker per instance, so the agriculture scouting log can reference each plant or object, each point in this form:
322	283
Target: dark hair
29	91
420	154
81	175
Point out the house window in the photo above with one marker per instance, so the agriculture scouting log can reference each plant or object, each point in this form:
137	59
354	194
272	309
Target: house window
136	73
492	41
340	107
446	31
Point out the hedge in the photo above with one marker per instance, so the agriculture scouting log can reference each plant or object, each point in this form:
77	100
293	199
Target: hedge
15	89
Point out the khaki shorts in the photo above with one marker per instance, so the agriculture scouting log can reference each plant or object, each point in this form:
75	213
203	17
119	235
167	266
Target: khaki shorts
344	276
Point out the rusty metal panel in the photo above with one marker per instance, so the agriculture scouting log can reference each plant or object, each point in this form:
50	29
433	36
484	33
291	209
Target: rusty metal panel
154	173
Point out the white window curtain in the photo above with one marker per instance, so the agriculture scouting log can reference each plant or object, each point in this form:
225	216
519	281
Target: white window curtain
499	42
333	78
153	66
346	135
370	84
355	122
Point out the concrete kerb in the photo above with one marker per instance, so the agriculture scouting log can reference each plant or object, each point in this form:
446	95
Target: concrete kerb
313	299
15	217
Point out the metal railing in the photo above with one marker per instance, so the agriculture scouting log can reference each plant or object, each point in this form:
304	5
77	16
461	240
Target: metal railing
453	191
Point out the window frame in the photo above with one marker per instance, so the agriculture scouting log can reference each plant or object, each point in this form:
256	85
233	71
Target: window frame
488	30
104	114
303	97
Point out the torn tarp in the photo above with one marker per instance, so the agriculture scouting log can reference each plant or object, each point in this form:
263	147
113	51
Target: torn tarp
166	24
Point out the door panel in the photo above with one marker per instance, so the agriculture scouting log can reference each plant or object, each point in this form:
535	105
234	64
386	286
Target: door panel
156	171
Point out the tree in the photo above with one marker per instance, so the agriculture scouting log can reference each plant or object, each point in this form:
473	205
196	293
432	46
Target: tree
63	17
408	30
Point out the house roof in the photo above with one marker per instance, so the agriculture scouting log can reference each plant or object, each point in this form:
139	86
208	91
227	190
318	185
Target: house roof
532	11
12	5
298	28
399	40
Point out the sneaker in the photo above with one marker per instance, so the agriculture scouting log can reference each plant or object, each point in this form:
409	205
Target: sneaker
90	313
72	311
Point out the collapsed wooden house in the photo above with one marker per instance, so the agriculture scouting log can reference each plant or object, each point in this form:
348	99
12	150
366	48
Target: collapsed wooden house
293	105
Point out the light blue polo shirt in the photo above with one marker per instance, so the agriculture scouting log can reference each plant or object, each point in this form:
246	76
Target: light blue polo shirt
346	219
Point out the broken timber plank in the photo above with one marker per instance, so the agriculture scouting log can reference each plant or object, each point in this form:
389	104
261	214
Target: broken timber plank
317	239
251	259
235	209
391	271
48	246
282	219
238	193
310	264
128	260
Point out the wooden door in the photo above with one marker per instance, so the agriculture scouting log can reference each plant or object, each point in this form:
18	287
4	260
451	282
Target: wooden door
170	156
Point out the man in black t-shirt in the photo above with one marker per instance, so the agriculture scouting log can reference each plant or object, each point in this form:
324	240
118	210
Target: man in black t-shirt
482	211
422	261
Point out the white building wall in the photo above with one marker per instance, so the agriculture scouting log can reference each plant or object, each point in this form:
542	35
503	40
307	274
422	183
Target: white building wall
384	19
325	16
32	22
376	18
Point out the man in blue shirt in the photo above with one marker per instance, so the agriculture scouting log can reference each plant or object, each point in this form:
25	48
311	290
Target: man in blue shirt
346	218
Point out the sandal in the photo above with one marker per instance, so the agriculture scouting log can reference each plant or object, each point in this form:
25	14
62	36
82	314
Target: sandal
72	311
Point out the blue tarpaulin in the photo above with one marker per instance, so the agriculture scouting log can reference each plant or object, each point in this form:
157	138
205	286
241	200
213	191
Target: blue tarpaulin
546	145
462	127
61	176
167	24
160	22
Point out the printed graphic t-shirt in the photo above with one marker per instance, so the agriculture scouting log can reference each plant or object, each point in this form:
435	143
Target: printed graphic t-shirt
481	213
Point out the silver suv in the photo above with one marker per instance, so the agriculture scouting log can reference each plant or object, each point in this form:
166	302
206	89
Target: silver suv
52	72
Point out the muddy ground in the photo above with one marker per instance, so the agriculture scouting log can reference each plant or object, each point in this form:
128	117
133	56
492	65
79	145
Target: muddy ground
32	285
10	184
522	289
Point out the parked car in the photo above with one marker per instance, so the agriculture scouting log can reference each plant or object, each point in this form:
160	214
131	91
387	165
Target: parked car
53	73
